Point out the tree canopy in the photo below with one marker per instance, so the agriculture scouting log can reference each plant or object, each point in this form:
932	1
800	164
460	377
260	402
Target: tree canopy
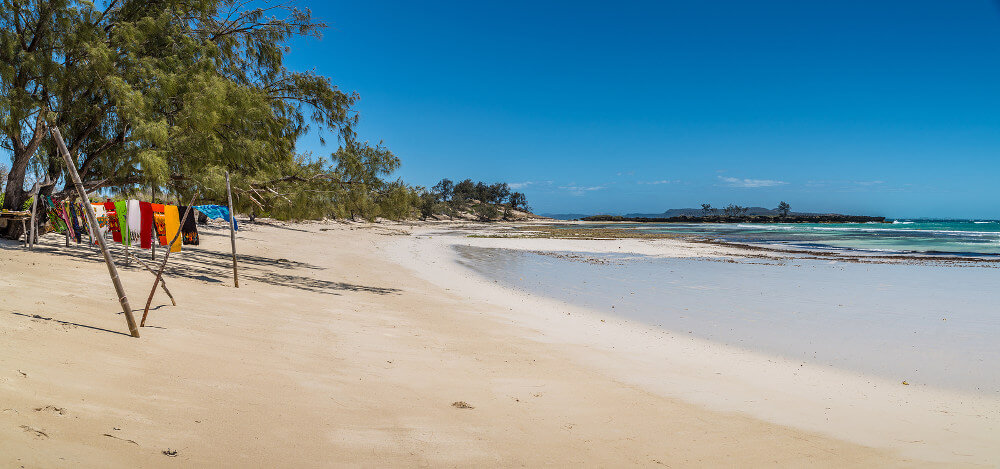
171	93
485	201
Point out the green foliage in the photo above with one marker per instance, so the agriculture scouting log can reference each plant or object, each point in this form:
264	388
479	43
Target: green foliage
784	208
172	94
485	201
733	210
160	93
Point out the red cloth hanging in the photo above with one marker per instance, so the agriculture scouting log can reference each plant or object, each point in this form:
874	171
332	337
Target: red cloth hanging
146	226
116	231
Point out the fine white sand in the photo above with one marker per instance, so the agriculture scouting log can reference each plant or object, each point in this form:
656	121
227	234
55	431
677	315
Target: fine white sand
347	345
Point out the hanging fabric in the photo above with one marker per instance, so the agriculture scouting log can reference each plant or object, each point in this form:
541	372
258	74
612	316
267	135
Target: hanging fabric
55	219
121	209
64	207
146	230
160	223
101	214
134	217
74	216
189	226
60	209
113	221
217	212
173	225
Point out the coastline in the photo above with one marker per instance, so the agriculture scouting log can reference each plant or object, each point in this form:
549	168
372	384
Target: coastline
923	423
347	344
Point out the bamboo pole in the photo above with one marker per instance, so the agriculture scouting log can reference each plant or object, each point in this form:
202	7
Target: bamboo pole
163	265
34	203
155	240
232	230
163	283
92	218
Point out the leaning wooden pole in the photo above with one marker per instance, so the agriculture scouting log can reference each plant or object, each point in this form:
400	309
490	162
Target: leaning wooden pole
232	230
92	219
166	255
163	283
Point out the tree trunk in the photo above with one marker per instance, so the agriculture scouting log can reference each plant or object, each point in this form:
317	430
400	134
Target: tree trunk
14	194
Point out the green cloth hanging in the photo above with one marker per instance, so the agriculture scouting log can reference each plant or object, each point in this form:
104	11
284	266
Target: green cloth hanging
121	209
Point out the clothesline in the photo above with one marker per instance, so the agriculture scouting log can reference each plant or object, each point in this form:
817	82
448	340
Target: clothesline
130	222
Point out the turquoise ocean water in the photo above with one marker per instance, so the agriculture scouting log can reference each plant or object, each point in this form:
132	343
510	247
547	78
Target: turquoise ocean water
953	237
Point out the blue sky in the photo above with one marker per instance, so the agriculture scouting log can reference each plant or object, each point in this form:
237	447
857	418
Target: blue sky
884	108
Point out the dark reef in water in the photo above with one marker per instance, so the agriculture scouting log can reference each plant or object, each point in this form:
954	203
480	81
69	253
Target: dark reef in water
826	218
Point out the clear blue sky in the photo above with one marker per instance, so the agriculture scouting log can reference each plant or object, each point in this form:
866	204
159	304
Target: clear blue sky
884	108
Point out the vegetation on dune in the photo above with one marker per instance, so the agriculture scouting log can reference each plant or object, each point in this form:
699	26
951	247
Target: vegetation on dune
482	201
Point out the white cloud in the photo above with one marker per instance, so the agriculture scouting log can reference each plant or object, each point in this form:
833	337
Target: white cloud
662	181
750	183
580	190
522	185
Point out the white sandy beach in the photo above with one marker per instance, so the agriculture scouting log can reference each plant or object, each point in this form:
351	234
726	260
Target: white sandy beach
347	345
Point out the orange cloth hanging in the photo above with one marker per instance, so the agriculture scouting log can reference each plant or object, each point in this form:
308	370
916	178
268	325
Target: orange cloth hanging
173	224
161	223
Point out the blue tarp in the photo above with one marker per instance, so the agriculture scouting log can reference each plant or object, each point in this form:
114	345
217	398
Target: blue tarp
217	212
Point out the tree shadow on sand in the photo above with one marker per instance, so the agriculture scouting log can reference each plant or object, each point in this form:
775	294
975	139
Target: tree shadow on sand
317	285
215	267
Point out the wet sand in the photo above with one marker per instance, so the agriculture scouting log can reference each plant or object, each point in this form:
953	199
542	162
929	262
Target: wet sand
927	324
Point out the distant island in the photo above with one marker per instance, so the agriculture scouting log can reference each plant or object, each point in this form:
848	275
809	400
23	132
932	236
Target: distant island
735	214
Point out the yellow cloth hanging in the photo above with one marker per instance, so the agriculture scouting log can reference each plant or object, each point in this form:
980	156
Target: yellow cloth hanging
173	220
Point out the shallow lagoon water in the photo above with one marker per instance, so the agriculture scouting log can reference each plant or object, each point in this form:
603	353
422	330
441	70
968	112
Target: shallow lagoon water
954	237
925	324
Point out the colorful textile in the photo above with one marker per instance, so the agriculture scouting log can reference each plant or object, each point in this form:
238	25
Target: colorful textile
74	216
121	209
173	224
134	217
62	208
160	223
101	214
189	226
217	212
56	222
67	206
113	224
146	230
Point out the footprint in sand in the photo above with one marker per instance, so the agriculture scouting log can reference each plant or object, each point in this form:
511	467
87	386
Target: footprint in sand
51	408
38	433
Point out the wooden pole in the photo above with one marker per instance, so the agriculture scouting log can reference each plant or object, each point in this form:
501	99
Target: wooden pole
163	283
66	221
232	230
34	203
92	218
163	265
155	241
